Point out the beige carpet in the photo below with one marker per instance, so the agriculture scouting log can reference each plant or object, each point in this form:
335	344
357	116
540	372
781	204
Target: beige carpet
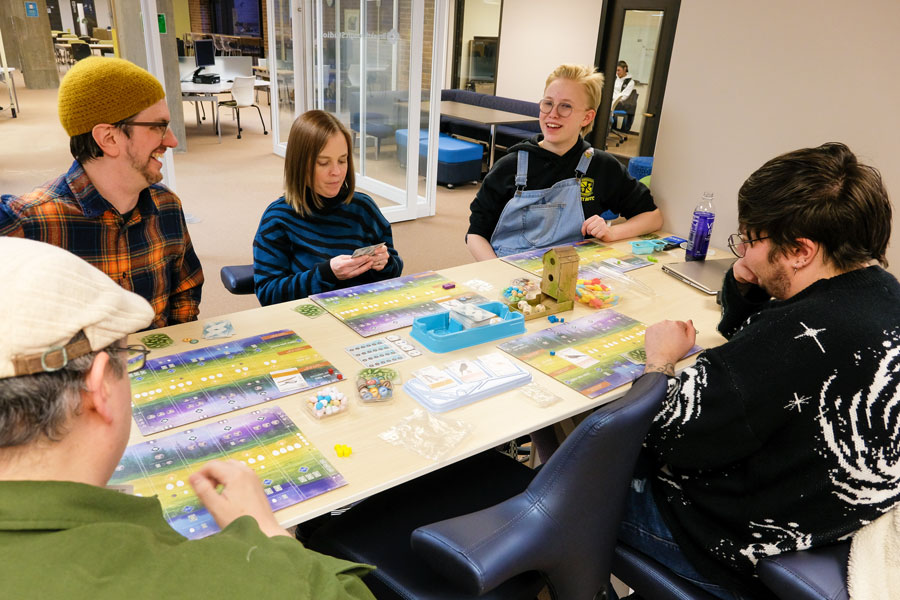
225	186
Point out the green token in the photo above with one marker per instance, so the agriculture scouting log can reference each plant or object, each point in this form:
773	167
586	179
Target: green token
157	340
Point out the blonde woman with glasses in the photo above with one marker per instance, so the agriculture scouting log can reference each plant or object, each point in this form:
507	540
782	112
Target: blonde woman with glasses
553	188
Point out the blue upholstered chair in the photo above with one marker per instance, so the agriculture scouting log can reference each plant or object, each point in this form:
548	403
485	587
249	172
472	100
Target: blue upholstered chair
640	166
517	528
237	279
817	574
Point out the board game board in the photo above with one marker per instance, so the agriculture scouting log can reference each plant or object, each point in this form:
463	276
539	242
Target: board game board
593	354
183	388
290	468
590	252
383	306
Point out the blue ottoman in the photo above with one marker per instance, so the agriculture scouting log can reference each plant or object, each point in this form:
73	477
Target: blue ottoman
640	166
459	161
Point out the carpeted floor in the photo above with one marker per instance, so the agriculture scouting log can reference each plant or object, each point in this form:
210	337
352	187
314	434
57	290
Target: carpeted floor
224	186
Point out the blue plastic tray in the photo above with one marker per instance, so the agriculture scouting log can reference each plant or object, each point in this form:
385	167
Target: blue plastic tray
439	333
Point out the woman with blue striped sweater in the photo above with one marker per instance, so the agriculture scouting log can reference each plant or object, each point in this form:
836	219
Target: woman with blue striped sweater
305	241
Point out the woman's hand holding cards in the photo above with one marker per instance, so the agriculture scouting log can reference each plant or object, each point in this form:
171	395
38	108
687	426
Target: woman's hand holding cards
345	266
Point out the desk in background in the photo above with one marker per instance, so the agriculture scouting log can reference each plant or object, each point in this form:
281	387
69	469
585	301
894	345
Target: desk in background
208	92
376	465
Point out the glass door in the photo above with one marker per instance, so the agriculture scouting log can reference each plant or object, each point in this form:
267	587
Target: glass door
366	67
285	64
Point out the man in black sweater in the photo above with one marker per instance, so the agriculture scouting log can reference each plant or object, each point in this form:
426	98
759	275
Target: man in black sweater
785	437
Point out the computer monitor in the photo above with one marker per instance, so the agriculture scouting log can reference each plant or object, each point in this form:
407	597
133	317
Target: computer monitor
204	54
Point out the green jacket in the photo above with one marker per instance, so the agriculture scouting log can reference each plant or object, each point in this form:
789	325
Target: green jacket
71	540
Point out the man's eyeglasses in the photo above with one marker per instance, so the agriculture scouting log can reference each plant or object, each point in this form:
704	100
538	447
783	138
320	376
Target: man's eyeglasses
135	356
160	127
563	109
738	244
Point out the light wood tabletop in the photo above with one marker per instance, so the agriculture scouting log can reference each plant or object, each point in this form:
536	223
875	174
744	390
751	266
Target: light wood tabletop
376	465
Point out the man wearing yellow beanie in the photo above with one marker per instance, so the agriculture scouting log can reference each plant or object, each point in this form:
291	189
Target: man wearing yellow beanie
65	417
109	208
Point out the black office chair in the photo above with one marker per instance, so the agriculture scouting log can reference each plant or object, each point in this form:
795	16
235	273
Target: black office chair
79	51
558	524
817	574
237	279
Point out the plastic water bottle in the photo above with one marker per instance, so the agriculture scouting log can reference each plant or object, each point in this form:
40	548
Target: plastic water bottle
701	228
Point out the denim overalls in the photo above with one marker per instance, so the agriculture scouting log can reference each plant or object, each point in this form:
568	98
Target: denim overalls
541	218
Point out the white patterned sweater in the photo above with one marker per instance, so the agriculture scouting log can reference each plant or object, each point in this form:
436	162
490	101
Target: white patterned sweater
787	436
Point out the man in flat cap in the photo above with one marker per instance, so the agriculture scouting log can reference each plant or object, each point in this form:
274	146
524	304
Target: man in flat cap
65	416
109	208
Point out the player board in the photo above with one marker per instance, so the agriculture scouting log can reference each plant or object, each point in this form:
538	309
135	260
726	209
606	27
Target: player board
183	388
590	252
375	308
290	468
592	355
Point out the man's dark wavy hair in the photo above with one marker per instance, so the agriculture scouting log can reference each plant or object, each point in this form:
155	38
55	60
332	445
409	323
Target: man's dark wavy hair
823	194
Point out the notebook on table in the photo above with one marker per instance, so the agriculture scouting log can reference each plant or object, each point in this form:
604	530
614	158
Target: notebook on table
705	275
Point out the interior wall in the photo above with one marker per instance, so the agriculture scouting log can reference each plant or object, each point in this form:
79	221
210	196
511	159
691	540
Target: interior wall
182	17
534	41
751	79
104	13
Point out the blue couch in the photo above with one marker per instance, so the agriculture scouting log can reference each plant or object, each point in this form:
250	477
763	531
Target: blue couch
385	114
507	135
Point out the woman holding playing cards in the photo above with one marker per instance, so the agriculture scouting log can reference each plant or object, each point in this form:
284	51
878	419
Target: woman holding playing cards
322	234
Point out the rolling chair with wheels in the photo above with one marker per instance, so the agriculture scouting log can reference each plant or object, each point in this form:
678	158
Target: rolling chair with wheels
237	279
612	131
242	97
559	524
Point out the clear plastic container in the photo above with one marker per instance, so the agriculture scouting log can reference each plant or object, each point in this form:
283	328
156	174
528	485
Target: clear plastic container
377	385
326	402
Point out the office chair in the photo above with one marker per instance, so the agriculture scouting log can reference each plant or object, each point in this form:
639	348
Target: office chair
242	97
237	279
558	524
79	50
612	126
816	574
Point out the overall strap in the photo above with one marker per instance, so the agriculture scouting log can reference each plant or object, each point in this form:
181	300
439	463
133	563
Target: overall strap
521	170
584	162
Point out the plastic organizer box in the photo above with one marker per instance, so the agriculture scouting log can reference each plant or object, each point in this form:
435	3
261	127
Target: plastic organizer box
441	333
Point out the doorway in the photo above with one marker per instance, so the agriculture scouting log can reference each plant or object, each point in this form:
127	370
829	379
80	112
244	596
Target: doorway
476	45
641	34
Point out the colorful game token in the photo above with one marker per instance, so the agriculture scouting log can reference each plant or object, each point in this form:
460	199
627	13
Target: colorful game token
328	401
309	310
376	385
343	450
155	341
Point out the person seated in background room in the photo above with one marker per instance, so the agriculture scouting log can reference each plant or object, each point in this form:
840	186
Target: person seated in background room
783	438
306	239
109	208
553	188
65	417
621	90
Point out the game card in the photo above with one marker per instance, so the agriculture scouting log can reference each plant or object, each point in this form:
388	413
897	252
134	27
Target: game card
577	358
434	378
498	364
213	330
466	371
367	250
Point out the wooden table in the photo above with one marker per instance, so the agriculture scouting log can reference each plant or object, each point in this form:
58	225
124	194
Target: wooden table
376	465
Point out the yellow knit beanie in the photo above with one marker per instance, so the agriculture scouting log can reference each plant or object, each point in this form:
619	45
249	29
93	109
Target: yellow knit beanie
104	90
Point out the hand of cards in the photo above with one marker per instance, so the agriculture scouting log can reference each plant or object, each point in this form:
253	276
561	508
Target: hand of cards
367	250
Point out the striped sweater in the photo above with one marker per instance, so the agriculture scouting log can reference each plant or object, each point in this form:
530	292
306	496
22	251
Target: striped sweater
291	254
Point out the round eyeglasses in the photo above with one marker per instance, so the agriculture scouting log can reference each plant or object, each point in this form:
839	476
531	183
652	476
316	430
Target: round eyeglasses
738	244
563	109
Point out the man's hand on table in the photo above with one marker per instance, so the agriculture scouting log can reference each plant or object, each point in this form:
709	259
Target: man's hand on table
666	343
241	494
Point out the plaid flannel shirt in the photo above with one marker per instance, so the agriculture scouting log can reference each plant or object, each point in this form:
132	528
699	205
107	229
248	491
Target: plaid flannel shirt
150	253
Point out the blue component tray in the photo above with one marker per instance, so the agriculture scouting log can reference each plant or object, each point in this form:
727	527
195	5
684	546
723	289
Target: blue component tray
439	333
